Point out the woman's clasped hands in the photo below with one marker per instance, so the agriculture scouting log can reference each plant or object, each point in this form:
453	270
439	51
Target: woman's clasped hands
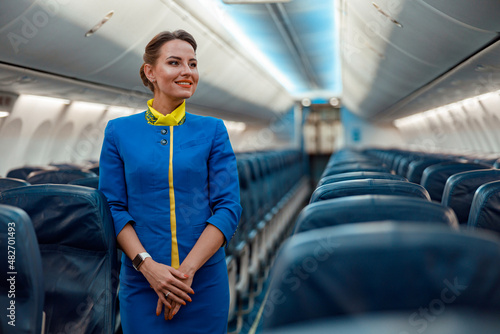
171	285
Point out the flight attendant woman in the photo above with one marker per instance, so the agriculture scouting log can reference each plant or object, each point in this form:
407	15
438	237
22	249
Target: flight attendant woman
171	182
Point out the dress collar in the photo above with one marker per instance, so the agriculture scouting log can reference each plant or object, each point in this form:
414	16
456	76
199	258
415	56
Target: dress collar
176	117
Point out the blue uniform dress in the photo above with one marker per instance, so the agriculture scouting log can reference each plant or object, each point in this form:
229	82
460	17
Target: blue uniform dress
170	182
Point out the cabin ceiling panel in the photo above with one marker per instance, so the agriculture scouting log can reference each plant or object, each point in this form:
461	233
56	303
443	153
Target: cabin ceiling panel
396	36
313	24
298	37
256	22
112	56
480	14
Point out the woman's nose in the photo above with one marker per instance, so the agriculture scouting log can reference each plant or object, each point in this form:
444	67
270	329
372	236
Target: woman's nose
186	69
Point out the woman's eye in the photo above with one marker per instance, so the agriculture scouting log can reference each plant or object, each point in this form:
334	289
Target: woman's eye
173	62
193	65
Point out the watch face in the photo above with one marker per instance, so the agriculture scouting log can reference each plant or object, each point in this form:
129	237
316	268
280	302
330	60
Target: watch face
139	258
137	261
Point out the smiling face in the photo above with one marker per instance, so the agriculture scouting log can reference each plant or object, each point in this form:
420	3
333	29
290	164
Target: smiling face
175	73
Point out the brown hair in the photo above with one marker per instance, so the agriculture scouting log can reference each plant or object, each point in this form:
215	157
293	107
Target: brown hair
152	50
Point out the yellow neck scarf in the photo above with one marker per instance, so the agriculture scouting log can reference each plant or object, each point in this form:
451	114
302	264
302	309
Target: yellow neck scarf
176	117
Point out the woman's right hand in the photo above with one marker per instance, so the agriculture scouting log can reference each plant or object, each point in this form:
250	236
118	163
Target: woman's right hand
164	279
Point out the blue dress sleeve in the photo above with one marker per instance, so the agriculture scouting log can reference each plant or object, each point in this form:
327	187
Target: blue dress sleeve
112	179
224	189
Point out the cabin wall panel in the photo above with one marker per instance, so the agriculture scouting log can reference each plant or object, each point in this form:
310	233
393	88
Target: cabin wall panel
358	133
37	146
467	126
283	133
40	131
32	113
490	104
473	113
79	146
9	143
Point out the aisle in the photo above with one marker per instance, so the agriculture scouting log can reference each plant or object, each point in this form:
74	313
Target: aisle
252	323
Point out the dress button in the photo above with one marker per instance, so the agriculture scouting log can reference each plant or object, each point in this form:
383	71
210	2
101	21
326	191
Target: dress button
164	142
164	131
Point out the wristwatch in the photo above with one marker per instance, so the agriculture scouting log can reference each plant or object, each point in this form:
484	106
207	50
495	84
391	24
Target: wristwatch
139	259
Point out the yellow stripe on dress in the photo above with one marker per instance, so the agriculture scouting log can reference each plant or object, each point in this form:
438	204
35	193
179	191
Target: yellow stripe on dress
173	225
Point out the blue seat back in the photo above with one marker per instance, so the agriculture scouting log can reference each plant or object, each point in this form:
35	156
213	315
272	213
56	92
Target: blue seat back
404	161
9	183
353	160
21	277
75	233
94	168
369	187
356	167
256	186
57	176
497	164
247	194
67	165
365	208
416	168
92	182
460	188
23	172
385	266
485	208
453	321
434	177
359	175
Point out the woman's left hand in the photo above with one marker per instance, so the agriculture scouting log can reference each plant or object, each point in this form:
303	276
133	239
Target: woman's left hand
208	243
169	313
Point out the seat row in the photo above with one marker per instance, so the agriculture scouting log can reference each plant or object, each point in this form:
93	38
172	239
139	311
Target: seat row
453	180
62	269
65	217
374	244
273	188
86	175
